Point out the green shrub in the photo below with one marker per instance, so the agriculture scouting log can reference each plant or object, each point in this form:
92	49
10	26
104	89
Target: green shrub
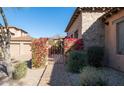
20	71
91	76
95	56
101	82
76	61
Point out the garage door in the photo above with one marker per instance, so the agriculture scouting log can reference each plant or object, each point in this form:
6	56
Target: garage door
15	50
26	51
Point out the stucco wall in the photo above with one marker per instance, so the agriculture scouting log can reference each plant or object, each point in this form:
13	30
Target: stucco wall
88	19
114	59
76	26
92	29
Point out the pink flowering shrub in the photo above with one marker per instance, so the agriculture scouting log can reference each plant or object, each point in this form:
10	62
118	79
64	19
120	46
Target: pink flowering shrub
73	44
39	52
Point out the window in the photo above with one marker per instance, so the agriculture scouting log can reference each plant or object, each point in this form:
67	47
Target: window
76	34
72	36
120	37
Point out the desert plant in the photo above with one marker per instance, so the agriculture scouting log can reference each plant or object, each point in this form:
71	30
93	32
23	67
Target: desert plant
95	56
91	76
76	61
20	71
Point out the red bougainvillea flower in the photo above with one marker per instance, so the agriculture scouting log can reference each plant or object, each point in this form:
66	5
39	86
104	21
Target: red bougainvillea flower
70	42
39	51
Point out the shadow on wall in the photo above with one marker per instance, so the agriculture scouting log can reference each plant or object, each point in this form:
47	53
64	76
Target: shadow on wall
95	34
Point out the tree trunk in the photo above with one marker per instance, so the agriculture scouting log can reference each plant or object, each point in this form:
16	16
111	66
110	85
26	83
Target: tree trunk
6	44
7	60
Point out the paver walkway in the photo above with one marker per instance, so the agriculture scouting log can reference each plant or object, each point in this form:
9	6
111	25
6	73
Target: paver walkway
55	74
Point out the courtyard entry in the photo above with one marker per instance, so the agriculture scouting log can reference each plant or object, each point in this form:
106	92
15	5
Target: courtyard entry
56	50
56	46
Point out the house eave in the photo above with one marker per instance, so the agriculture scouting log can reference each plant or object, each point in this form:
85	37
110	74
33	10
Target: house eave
78	10
74	16
110	13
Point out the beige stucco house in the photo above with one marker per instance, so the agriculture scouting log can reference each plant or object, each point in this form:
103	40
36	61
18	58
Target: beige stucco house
20	46
114	38
101	26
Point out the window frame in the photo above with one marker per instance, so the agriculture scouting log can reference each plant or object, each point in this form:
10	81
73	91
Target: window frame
118	51
76	32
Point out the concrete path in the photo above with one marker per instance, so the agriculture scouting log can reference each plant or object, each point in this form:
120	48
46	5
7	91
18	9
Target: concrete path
31	79
55	74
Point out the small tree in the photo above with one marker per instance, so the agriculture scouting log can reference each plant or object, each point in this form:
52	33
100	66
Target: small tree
5	37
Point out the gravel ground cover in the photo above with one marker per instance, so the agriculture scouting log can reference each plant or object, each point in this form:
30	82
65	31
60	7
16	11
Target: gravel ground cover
113	77
109	76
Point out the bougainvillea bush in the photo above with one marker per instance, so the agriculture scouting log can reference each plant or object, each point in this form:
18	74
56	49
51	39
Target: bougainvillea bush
39	52
73	44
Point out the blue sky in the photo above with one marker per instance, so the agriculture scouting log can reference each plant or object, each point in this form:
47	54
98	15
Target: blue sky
40	22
